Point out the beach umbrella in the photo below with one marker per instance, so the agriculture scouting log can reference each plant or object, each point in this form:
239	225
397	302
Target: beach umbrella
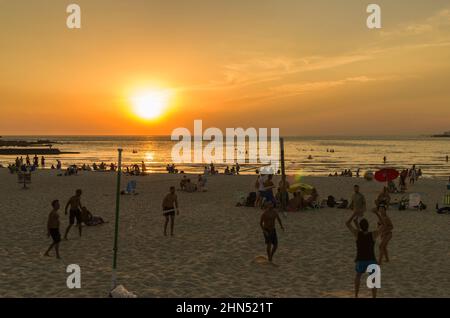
386	175
306	188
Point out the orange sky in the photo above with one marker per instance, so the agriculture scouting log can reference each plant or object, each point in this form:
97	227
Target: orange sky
307	67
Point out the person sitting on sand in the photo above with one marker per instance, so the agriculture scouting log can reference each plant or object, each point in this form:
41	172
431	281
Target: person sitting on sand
227	170
365	244
385	228
311	201
183	183
201	183
169	206
267	224
89	219
75	212
297	203
383	198
190	186
53	229
358	204
212	169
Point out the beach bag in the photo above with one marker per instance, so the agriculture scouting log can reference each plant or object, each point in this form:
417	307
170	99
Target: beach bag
251	199
343	204
331	202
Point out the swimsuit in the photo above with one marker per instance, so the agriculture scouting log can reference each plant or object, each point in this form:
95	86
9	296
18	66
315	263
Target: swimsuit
56	236
270	236
169	211
75	214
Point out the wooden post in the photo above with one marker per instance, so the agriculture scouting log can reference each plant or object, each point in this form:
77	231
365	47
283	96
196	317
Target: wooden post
283	176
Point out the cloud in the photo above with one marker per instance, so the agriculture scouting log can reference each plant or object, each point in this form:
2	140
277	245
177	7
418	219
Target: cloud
430	26
294	89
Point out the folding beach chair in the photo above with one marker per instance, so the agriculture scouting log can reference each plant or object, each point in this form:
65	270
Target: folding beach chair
131	187
446	200
24	178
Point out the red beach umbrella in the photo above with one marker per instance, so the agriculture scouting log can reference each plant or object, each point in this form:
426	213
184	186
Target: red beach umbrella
386	175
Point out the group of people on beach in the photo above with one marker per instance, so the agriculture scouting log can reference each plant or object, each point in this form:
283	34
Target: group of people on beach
77	212
268	202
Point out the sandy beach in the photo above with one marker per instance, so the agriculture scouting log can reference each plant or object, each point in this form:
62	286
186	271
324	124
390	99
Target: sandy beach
216	248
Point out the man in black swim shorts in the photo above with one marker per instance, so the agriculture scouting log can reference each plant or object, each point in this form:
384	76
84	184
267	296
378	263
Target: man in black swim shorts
53	229
267	224
169	206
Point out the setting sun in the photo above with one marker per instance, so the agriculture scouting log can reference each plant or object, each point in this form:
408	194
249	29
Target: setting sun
150	104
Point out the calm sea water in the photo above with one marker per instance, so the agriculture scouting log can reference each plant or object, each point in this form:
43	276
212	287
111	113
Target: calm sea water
365	153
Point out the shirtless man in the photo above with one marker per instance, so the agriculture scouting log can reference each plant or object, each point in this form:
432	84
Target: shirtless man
53	229
75	212
169	206
358	204
267	224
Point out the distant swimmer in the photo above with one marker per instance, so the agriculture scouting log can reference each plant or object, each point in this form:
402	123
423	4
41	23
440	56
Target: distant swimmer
310	157
446	158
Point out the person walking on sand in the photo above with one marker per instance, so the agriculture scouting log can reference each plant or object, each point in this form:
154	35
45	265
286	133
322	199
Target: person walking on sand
75	212
365	244
267	224
385	228
53	229
358	204
169	206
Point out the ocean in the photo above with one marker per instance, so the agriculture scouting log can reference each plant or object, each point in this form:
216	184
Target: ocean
303	155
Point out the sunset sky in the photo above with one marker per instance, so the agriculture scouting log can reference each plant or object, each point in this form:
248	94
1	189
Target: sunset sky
307	67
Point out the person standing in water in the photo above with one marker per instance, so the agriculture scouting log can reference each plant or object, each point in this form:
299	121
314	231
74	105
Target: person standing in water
53	229
267	224
169	206
75	212
365	244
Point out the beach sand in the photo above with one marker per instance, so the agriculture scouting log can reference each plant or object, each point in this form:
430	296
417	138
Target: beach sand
218	249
